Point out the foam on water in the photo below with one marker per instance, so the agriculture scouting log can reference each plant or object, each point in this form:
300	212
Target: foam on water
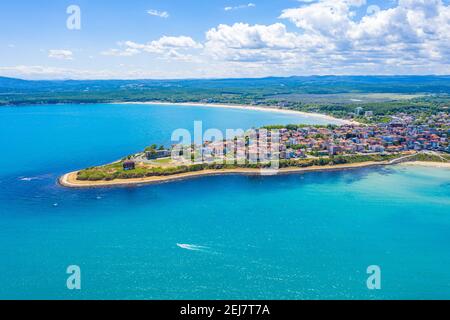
28	179
191	247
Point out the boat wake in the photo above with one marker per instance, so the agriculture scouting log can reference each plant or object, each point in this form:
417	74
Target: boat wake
28	179
191	247
40	177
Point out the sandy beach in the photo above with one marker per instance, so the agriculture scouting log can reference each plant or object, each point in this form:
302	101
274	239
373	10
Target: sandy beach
70	179
444	165
247	107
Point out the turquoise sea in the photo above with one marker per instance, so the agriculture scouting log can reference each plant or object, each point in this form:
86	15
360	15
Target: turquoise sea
305	236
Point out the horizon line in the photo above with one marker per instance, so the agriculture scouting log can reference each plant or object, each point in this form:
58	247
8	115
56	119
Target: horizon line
234	78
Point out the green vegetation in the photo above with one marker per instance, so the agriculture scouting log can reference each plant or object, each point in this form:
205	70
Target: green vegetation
336	160
154	147
336	96
427	157
115	171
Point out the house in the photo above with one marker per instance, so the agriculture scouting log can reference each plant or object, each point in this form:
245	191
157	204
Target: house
292	142
129	165
377	148
157	154
334	150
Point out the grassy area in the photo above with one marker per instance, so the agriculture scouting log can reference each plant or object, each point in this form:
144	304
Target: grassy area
163	161
115	171
431	157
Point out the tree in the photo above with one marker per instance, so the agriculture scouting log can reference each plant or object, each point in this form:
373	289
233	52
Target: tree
153	147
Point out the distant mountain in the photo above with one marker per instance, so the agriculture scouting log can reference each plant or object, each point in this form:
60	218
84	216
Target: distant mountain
12	83
17	91
311	84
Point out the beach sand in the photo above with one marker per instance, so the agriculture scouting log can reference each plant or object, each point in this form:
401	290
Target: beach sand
445	165
70	179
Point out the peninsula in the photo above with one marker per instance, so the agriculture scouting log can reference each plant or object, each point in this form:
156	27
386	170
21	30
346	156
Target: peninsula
298	148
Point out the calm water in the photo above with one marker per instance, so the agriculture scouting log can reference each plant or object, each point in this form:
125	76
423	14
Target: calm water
301	236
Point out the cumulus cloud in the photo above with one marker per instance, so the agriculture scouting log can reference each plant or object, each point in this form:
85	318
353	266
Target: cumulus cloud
326	17
156	13
245	36
265	43
410	37
166	46
413	30
315	37
60	54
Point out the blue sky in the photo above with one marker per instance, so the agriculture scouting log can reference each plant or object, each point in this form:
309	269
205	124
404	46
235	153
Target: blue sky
214	39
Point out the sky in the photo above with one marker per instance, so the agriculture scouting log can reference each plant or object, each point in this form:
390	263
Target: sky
174	39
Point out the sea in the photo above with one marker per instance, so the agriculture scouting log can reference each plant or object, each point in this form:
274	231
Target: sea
316	235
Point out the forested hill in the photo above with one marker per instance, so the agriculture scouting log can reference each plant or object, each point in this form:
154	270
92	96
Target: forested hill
336	95
311	85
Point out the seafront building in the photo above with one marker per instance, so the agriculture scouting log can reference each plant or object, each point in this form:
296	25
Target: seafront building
402	134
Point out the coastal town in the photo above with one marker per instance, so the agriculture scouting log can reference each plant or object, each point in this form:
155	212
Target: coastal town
291	147
399	135
402	134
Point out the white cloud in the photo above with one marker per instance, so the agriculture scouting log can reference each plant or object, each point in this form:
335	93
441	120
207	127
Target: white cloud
245	36
413	36
155	71
326	37
266	44
156	13
46	72
412	31
242	6
251	43
172	42
166	47
127	52
326	17
60	54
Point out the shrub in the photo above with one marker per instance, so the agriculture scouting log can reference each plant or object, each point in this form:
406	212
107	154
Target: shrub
96	176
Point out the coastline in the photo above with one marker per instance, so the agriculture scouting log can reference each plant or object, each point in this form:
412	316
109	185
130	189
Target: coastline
246	107
442	165
69	180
